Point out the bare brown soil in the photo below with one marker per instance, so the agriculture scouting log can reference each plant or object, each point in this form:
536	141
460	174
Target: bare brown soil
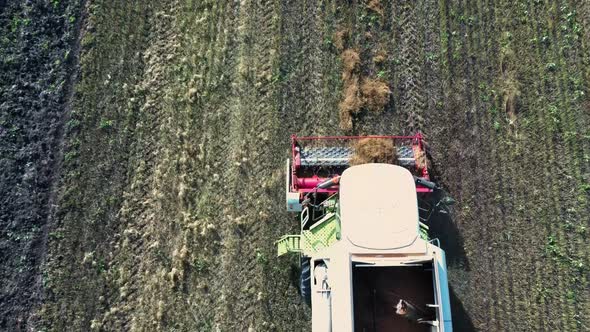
152	203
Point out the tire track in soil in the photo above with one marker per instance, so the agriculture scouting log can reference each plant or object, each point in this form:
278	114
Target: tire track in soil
502	283
494	26
214	69
216	65
569	161
214	151
490	230
495	227
255	111
158	180
412	100
538	173
308	106
139	211
73	306
557	184
525	212
460	275
545	159
482	123
583	120
510	243
548	165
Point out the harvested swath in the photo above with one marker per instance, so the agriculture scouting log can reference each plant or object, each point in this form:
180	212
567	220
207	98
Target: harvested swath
350	63
351	102
376	94
373	150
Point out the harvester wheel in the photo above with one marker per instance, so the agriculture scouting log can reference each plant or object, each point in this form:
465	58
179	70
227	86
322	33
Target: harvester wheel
305	280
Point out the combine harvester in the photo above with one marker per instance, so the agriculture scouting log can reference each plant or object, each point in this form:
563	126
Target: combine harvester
366	261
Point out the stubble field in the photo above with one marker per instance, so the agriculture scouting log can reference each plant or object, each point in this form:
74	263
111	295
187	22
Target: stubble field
159	178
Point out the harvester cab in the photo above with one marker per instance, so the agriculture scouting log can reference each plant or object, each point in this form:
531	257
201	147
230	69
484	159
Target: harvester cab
367	263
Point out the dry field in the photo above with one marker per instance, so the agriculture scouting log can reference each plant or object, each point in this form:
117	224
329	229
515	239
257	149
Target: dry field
142	149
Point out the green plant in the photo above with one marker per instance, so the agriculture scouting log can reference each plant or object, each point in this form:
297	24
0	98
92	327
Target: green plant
200	265
261	257
554	113
56	235
70	155
106	124
431	56
497	125
72	124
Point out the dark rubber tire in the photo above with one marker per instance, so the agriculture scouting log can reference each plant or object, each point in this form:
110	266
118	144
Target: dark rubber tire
305	280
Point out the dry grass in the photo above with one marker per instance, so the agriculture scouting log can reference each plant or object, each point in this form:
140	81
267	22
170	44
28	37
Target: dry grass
421	159
510	94
376	6
376	94
350	63
341	38
372	94
373	150
380	57
351	102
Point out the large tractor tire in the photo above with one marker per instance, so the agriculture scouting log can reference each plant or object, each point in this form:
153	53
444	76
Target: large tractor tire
305	280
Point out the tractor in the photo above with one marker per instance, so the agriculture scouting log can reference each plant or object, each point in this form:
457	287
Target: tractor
367	263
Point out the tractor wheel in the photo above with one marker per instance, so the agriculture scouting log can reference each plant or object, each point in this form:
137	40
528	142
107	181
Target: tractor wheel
305	280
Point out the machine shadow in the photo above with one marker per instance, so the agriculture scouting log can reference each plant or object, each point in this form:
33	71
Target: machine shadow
441	224
461	320
442	227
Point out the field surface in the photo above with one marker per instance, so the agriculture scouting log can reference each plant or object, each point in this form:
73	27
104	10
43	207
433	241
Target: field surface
142	151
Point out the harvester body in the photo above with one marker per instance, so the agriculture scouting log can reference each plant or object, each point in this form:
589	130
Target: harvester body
367	260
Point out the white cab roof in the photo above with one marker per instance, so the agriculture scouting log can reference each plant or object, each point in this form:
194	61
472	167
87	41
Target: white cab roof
378	207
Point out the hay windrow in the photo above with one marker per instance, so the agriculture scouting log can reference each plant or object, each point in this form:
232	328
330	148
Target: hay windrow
373	150
350	104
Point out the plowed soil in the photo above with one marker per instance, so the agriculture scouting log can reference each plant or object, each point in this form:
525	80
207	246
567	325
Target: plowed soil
143	144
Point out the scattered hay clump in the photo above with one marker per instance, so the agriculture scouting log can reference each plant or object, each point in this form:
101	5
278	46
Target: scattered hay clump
340	38
373	150
380	57
350	62
351	102
421	159
376	6
376	94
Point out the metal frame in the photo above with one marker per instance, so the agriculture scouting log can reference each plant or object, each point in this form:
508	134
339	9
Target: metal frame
304	185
